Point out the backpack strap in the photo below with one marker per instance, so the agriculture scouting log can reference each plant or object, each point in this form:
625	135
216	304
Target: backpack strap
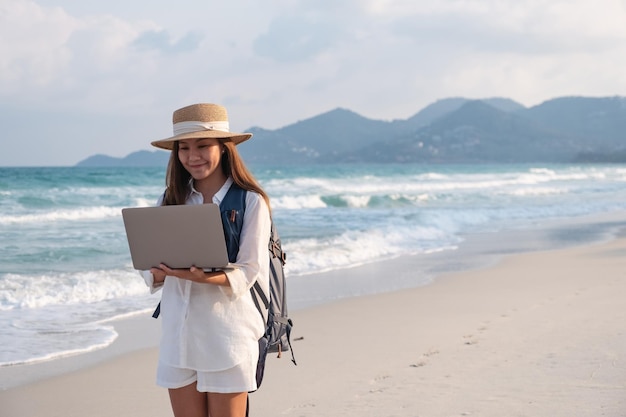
157	311
234	204
257	293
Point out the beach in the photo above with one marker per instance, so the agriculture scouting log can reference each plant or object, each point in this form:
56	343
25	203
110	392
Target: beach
531	334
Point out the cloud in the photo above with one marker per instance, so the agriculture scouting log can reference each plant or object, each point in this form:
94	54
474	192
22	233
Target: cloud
118	68
295	39
161	40
57	59
500	31
33	45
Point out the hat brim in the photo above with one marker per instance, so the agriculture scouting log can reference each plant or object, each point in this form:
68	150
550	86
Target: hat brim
168	143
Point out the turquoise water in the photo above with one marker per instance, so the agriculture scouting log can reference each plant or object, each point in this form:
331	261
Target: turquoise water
65	268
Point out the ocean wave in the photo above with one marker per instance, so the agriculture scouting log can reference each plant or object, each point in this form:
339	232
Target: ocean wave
37	291
335	218
536	191
87	213
348	201
326	188
143	202
430	176
289	202
353	248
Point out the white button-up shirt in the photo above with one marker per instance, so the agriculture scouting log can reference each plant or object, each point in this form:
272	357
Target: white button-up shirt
209	327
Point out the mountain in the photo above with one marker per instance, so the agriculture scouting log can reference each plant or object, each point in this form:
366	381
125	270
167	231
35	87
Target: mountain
475	132
569	129
329	133
138	159
442	107
460	130
598	123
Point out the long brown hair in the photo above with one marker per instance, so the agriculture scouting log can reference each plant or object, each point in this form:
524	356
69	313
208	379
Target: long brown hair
178	179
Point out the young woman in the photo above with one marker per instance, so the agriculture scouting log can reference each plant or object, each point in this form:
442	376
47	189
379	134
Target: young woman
210	324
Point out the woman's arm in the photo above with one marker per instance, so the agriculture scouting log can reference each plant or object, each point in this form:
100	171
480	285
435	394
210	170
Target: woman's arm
191	274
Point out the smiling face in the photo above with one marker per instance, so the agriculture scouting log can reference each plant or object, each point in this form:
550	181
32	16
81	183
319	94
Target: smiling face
201	157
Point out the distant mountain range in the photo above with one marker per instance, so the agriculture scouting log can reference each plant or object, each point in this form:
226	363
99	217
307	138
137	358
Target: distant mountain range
136	159
453	130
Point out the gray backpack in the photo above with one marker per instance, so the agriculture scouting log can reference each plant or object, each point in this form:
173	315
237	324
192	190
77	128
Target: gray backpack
277	337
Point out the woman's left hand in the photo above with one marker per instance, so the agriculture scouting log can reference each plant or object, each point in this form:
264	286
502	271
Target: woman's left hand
191	274
197	275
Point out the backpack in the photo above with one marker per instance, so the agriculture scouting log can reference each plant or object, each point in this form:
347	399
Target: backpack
277	337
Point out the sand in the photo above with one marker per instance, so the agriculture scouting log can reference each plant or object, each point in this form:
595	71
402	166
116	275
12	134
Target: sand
537	334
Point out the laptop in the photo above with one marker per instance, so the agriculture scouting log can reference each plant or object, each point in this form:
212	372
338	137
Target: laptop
179	236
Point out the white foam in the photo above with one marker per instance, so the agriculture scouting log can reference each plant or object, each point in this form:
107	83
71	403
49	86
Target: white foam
354	248
356	201
143	202
87	213
298	202
32	292
536	191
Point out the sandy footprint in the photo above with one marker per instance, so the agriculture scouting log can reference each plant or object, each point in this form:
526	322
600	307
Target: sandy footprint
423	360
469	339
299	407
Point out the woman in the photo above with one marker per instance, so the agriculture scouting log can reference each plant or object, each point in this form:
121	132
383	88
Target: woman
211	326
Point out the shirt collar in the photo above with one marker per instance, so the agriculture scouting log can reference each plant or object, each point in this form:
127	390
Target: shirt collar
217	198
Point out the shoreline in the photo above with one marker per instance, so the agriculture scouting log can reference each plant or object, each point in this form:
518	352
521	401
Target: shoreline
477	252
535	334
23	374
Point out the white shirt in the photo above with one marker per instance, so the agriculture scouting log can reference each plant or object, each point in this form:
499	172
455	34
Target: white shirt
208	327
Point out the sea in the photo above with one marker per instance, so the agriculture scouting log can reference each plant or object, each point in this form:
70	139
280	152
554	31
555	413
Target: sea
66	273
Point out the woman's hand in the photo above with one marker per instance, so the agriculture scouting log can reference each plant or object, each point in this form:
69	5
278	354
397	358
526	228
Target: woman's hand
196	275
191	274
158	276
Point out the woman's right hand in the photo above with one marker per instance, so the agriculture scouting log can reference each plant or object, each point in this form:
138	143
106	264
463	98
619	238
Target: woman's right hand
159	275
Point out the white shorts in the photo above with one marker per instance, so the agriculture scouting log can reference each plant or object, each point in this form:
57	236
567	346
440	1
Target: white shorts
240	378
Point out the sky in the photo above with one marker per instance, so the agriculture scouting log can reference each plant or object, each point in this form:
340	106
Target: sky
79	78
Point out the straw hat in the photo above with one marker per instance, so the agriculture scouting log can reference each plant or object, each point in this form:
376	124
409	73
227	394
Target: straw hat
201	121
